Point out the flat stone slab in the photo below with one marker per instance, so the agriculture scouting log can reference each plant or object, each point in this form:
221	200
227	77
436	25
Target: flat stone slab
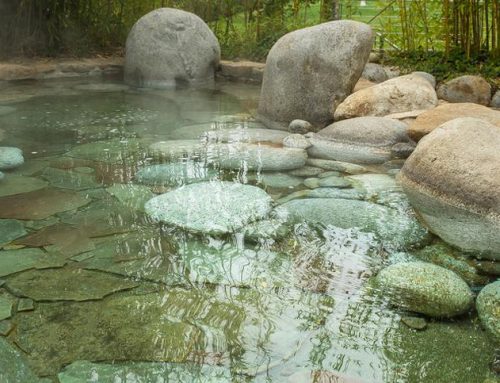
177	148
245	135
40	204
113	151
68	179
132	196
210	207
79	285
83	372
13	367
14	184
10	229
14	261
5	308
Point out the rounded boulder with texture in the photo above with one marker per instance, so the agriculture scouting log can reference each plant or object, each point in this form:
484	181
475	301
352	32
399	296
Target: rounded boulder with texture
425	288
168	48
488	308
397	95
10	157
375	73
429	120
466	89
210	207
365	140
310	70
453	180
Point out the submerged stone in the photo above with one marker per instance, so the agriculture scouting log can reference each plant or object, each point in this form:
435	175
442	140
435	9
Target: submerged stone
40	204
425	288
5	308
414	322
132	196
178	148
102	87
488	308
79	285
175	174
19	184
13	367
279	180
210	207
344	167
67	179
10	158
25	304
14	261
374	184
83	372
253	135
257	157
334	182
10	229
306	171
114	151
394	228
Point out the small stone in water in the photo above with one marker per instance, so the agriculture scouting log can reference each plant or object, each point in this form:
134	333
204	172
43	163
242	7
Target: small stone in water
414	322
5	327
5	308
334	182
10	158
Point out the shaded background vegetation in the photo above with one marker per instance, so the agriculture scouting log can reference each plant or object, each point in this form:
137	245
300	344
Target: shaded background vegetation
436	33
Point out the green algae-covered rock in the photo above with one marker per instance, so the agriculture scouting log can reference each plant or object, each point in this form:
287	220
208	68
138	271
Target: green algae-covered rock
13	367
5	308
113	151
210	207
14	184
84	372
132	196
68	179
488	308
425	288
395	228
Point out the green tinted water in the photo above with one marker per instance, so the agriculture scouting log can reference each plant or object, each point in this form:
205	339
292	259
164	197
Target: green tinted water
92	290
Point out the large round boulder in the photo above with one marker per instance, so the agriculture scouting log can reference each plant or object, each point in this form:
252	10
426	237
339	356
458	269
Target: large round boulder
452	179
365	140
168	48
425	288
397	95
210	207
310	70
488	308
429	120
466	89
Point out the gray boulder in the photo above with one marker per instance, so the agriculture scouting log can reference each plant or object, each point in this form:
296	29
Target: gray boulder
466	89
210	207
10	157
495	101
375	73
296	141
300	127
425	288
488	308
310	71
363	140
397	95
452	179
427	76
168	48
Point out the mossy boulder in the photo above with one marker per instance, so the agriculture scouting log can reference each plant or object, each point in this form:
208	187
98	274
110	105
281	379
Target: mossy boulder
488	308
425	288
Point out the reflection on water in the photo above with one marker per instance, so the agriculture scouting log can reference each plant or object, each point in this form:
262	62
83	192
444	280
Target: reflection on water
118	297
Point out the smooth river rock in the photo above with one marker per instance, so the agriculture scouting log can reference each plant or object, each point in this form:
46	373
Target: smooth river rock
488	308
396	229
210	207
310	70
425	288
397	95
466	89
452	179
168	48
429	120
10	158
174	174
363	140
375	73
256	157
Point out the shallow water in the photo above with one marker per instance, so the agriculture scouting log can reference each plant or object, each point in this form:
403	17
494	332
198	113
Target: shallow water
138	301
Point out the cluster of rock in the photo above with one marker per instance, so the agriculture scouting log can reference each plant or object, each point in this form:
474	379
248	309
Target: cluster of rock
451	177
